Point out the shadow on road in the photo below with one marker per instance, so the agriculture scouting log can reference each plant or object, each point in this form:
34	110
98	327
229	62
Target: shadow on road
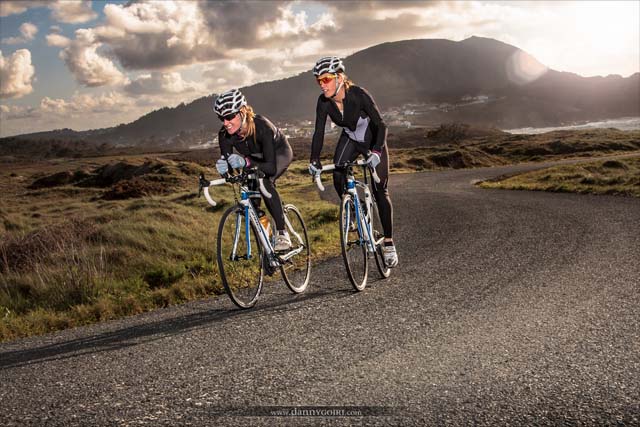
148	332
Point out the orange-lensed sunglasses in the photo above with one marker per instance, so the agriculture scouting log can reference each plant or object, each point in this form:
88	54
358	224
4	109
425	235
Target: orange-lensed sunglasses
327	79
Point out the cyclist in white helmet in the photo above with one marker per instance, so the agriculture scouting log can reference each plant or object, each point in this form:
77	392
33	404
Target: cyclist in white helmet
363	132
260	144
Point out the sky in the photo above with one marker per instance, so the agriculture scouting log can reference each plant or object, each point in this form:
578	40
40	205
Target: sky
94	64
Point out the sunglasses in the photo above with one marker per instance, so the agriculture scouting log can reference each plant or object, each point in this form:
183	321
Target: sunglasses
326	79
228	117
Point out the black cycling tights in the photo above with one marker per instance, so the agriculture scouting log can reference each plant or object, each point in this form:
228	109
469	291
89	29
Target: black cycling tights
347	151
274	204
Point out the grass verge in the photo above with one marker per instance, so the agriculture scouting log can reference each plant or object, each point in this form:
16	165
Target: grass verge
616	177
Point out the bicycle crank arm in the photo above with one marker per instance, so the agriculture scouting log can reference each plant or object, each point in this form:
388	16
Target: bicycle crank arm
292	253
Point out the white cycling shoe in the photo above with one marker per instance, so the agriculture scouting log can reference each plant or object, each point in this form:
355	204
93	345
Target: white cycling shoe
283	242
390	256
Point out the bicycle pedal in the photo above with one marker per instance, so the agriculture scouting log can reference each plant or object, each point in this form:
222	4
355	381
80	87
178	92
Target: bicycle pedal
269	269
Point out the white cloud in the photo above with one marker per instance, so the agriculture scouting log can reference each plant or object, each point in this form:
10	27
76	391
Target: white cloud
72	11
67	11
325	22
13	112
89	67
28	31
105	103
140	18
16	74
12	40
57	40
86	104
289	23
80	112
227	74
17	7
54	106
162	83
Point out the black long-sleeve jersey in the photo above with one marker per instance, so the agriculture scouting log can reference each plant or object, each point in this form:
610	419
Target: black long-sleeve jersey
360	120
262	149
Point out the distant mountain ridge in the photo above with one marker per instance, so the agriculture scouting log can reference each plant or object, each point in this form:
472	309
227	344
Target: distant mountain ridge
399	73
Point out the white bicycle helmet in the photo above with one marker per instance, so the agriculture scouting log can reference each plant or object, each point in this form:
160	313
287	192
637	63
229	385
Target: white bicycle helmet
229	102
328	64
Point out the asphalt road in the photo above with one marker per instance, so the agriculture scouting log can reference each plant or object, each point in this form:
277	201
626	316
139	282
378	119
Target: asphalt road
508	308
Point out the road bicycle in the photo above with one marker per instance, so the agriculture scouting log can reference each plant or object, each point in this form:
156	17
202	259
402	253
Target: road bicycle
245	242
361	237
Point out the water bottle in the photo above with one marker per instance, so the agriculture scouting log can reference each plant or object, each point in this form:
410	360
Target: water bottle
266	224
368	202
368	211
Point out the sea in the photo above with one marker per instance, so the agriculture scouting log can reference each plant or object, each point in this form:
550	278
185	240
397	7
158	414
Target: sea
624	123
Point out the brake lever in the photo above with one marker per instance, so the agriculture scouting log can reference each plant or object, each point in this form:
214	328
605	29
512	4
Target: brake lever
202	183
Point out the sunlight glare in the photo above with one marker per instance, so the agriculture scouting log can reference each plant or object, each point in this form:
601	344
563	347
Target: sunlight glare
523	68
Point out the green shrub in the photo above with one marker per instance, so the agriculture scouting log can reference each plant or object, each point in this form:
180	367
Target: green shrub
163	277
614	164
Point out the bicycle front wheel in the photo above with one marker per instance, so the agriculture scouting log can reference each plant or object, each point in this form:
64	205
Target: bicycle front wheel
297	269
240	258
354	250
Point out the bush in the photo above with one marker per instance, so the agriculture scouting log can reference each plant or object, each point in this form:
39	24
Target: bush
614	164
450	132
163	277
325	215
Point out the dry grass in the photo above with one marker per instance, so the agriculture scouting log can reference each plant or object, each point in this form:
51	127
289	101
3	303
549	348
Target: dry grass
457	146
616	177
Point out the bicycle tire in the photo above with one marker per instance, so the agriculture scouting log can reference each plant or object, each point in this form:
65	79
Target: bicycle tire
352	245
296	271
376	230
242	276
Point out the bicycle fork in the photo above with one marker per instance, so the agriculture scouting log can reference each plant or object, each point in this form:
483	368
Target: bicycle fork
363	224
250	216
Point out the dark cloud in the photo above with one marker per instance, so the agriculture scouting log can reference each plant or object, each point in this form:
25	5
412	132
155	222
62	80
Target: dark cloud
236	23
151	52
355	21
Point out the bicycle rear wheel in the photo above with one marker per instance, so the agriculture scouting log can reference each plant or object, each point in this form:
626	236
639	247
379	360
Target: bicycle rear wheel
240	258
297	269
378	237
354	251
